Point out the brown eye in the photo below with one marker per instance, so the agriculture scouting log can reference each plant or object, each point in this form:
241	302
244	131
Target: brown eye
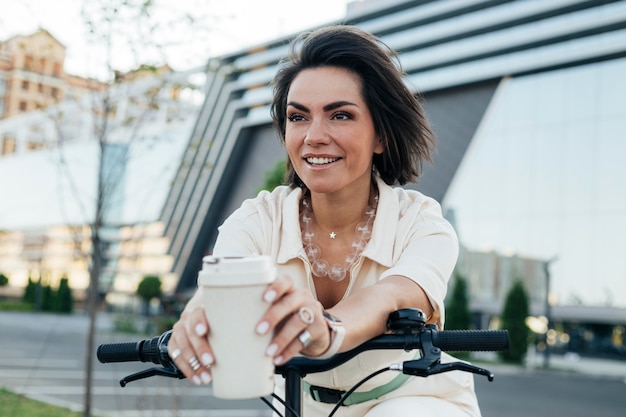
342	115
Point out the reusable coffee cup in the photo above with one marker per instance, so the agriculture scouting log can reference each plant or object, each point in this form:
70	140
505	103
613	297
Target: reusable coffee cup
233	300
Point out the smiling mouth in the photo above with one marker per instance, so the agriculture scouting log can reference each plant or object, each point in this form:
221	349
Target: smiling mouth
321	161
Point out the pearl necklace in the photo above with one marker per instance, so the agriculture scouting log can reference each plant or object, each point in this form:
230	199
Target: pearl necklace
321	267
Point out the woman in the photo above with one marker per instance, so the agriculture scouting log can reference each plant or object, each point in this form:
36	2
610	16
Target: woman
347	245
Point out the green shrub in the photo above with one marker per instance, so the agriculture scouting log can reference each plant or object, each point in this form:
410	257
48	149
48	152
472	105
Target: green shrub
29	291
149	287
4	280
274	177
44	298
47	298
125	324
513	319
458	314
64	301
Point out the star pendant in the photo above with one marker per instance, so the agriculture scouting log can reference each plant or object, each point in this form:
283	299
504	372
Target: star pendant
333	235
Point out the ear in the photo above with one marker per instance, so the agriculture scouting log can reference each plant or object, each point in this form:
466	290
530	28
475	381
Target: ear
379	147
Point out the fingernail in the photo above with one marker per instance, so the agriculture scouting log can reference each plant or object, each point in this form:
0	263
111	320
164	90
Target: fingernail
200	329
207	359
206	378
175	354
278	360
271	350
196	380
263	327
269	296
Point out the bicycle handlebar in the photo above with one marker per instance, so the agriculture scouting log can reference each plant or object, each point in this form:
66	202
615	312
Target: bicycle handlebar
428	339
149	350
446	340
408	331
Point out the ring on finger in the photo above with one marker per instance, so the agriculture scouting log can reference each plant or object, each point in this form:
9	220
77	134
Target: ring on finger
175	354
305	338
194	363
306	315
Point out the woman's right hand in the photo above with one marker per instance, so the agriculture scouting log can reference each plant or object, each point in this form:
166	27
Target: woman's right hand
189	347
190	350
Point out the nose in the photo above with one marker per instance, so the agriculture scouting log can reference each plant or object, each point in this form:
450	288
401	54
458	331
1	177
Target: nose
317	134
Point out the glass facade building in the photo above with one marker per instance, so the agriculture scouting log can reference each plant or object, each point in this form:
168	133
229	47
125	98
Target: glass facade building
544	178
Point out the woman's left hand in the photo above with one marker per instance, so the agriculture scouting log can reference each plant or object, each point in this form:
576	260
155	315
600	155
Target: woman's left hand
296	318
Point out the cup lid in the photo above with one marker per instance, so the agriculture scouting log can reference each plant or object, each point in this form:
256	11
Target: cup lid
245	270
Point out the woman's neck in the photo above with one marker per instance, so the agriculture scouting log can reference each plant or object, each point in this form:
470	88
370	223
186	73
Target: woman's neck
339	213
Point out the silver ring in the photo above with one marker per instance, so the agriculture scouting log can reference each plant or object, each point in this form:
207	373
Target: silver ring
175	354
306	315
305	338
193	362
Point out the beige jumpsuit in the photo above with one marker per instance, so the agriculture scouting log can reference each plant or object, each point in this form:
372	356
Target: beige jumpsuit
411	238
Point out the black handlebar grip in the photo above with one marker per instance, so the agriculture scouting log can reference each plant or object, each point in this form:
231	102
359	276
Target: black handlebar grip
471	340
150	350
119	352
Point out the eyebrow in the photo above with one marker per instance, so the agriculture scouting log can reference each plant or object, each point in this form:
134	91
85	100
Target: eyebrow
331	106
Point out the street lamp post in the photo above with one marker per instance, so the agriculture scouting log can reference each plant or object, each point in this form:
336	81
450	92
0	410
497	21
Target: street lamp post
548	312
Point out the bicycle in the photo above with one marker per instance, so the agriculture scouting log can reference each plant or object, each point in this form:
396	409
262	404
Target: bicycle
407	330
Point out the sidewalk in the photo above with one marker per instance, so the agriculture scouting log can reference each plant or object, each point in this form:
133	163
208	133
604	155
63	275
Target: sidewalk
575	363
569	363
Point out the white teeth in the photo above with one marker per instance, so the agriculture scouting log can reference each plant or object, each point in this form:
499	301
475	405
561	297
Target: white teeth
320	161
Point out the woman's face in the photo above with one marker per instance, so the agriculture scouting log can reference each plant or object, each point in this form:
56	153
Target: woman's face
329	134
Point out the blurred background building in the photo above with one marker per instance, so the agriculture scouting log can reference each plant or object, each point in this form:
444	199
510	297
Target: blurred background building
32	76
525	99
50	157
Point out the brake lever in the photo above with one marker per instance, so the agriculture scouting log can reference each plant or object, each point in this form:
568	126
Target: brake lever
462	366
147	373
430	362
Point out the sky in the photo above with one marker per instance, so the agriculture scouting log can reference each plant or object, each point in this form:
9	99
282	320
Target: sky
220	27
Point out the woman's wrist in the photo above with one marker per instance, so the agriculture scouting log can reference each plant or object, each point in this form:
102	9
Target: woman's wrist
337	334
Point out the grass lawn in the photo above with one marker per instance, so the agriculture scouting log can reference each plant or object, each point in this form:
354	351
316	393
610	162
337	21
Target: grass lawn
14	405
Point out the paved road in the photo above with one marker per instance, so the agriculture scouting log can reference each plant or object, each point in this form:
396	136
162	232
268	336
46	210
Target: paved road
554	394
43	356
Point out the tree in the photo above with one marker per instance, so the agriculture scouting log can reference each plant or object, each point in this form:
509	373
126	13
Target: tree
458	314
149	288
513	319
4	280
47	298
275	176
30	291
138	31
129	92
64	301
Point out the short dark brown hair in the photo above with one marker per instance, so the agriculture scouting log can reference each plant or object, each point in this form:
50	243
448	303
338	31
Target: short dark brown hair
397	114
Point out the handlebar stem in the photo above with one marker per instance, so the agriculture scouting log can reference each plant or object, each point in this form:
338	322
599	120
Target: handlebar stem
293	391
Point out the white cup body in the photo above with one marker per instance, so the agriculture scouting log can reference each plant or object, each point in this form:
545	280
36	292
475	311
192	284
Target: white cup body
233	300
